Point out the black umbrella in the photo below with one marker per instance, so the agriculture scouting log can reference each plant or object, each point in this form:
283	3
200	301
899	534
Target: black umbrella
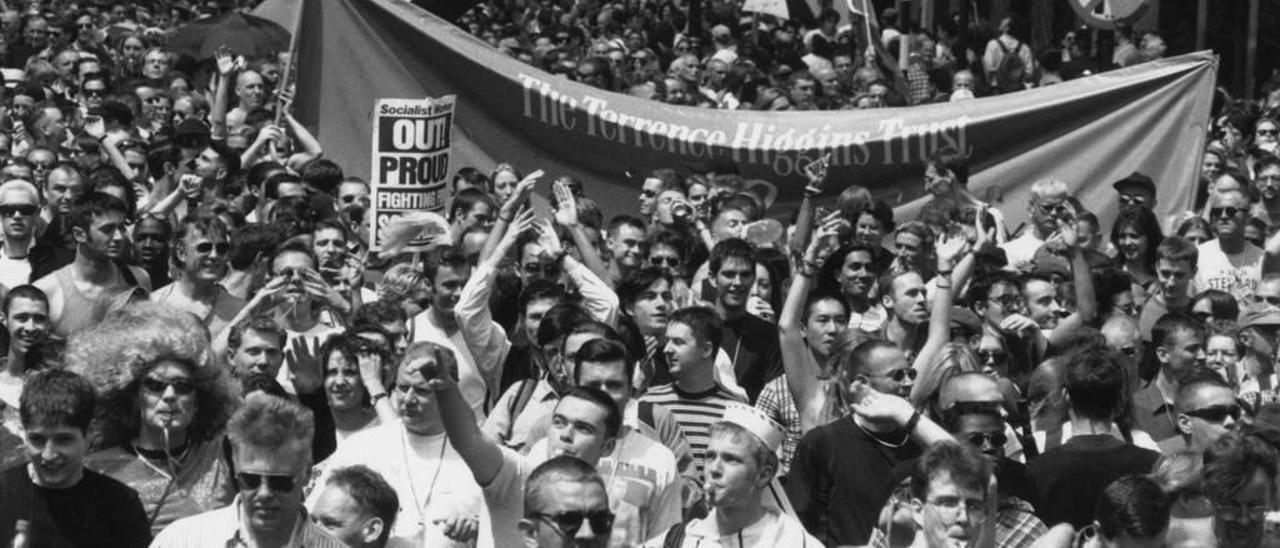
244	34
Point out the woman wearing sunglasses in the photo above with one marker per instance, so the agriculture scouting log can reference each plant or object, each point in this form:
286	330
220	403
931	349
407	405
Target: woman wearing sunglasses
159	423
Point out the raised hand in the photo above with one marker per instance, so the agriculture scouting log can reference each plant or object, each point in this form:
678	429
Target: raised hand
439	368
950	248
566	205
303	359
816	171
549	241
226	63
521	194
877	406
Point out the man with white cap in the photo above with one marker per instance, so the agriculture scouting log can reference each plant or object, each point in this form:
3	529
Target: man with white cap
740	465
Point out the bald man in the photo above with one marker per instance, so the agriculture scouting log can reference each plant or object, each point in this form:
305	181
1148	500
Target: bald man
1206	409
1124	336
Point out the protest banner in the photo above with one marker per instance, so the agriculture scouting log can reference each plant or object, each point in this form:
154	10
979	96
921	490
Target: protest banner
410	163
1150	118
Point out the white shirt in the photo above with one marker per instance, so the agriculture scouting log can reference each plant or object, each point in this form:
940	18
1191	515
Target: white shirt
774	529
1020	251
430	479
1237	274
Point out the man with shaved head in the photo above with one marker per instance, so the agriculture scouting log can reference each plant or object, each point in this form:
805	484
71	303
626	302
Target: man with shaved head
1206	409
1124	336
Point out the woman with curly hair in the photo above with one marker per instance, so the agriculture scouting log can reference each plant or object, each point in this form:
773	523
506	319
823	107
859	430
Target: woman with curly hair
159	424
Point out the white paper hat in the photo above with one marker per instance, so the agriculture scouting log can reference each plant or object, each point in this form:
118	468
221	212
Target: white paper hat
755	421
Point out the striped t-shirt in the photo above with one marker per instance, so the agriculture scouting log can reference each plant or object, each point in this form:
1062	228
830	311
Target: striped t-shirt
695	413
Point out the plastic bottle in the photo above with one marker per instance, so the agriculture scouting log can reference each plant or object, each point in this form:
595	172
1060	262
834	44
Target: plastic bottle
21	534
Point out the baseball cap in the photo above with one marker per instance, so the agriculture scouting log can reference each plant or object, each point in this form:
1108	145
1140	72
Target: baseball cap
1260	314
1138	180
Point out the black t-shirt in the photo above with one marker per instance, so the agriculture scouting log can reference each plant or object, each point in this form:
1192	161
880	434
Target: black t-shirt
752	345
1068	479
840	479
98	511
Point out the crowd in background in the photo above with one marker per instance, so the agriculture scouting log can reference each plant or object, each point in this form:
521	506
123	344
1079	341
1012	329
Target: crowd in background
201	349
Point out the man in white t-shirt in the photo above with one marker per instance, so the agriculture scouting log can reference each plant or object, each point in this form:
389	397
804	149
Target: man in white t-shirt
741	463
1048	203
586	424
1229	263
440	503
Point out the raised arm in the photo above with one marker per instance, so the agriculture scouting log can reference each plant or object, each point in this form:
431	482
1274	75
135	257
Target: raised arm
567	216
489	344
950	248
482	455
507	214
227	66
371	376
1086	303
816	171
798	365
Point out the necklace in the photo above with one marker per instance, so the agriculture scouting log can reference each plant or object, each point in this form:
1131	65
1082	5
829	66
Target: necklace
408	472
875	438
172	460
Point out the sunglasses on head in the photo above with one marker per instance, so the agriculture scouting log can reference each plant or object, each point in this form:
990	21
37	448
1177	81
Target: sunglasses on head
1216	413
206	247
251	482
996	439
1217	212
159	386
569	522
25	210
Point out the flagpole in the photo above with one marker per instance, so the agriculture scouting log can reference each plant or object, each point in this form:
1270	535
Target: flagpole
287	77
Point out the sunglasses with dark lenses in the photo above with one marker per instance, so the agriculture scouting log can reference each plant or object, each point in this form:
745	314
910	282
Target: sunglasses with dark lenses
898	375
25	210
206	247
1216	413
94	92
158	386
1271	132
992	356
996	439
569	522
664	261
251	482
1216	212
548	269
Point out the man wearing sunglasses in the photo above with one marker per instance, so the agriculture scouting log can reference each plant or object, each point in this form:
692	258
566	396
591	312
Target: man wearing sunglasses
1048	204
1229	262
200	249
19	213
1207	409
271	455
1135	191
585	425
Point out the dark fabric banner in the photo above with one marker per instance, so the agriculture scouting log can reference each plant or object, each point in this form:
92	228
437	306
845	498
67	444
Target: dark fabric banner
1088	133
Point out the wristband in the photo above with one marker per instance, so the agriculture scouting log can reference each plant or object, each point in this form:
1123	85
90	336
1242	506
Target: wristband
912	422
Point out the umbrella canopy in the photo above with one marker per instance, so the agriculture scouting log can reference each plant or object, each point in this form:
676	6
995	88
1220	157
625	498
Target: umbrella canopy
244	34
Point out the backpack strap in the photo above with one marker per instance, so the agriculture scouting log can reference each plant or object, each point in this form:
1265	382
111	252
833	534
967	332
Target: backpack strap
521	401
675	536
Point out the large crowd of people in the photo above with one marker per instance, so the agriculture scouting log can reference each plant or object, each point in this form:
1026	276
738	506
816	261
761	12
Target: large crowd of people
201	349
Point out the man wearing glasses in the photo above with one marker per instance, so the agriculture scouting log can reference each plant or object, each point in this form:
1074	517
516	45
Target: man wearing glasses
949	496
201	252
19	210
1048	203
271	453
1136	190
1239	478
1229	263
1207	409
